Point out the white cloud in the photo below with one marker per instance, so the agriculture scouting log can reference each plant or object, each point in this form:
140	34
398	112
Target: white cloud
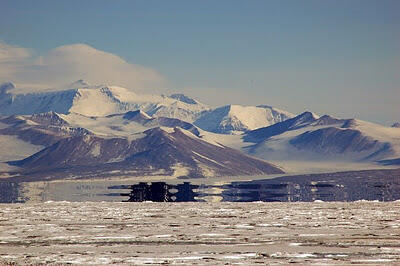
68	63
12	54
11	59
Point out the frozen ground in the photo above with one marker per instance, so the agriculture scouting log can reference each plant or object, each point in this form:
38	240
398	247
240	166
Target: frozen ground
201	233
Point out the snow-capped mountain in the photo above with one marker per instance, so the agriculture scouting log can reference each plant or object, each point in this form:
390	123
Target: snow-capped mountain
86	129
173	152
299	121
236	119
124	125
309	137
133	143
99	101
81	98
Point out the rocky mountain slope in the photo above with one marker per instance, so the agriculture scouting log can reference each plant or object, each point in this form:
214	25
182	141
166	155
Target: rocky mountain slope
100	101
130	144
93	130
310	137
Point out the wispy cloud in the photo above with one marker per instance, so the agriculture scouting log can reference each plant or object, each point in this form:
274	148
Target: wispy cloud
67	63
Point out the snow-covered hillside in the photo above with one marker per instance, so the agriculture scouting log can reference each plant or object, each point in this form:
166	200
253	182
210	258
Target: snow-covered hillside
101	100
308	137
13	148
126	125
81	98
52	145
111	114
235	119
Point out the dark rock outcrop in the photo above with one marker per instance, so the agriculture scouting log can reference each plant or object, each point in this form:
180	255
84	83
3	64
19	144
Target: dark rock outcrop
183	98
157	151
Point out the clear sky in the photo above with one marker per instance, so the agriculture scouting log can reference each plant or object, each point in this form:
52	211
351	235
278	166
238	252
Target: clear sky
337	57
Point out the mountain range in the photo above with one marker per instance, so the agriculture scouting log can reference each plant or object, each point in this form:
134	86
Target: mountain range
84	131
325	138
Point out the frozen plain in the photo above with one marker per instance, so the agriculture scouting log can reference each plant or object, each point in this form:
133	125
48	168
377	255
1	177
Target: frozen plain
316	233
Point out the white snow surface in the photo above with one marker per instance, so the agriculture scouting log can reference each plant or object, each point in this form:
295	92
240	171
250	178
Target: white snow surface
220	140
234	119
156	233
99	100
13	148
379	132
180	170
110	126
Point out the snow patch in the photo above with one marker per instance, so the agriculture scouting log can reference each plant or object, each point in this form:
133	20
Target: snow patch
167	129
180	170
206	171
95	152
204	157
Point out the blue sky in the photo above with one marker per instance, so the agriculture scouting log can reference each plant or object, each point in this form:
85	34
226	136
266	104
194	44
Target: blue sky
336	57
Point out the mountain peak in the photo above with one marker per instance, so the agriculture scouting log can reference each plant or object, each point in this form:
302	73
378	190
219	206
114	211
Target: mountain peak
49	118
304	118
183	98
327	120
4	87
308	114
136	115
